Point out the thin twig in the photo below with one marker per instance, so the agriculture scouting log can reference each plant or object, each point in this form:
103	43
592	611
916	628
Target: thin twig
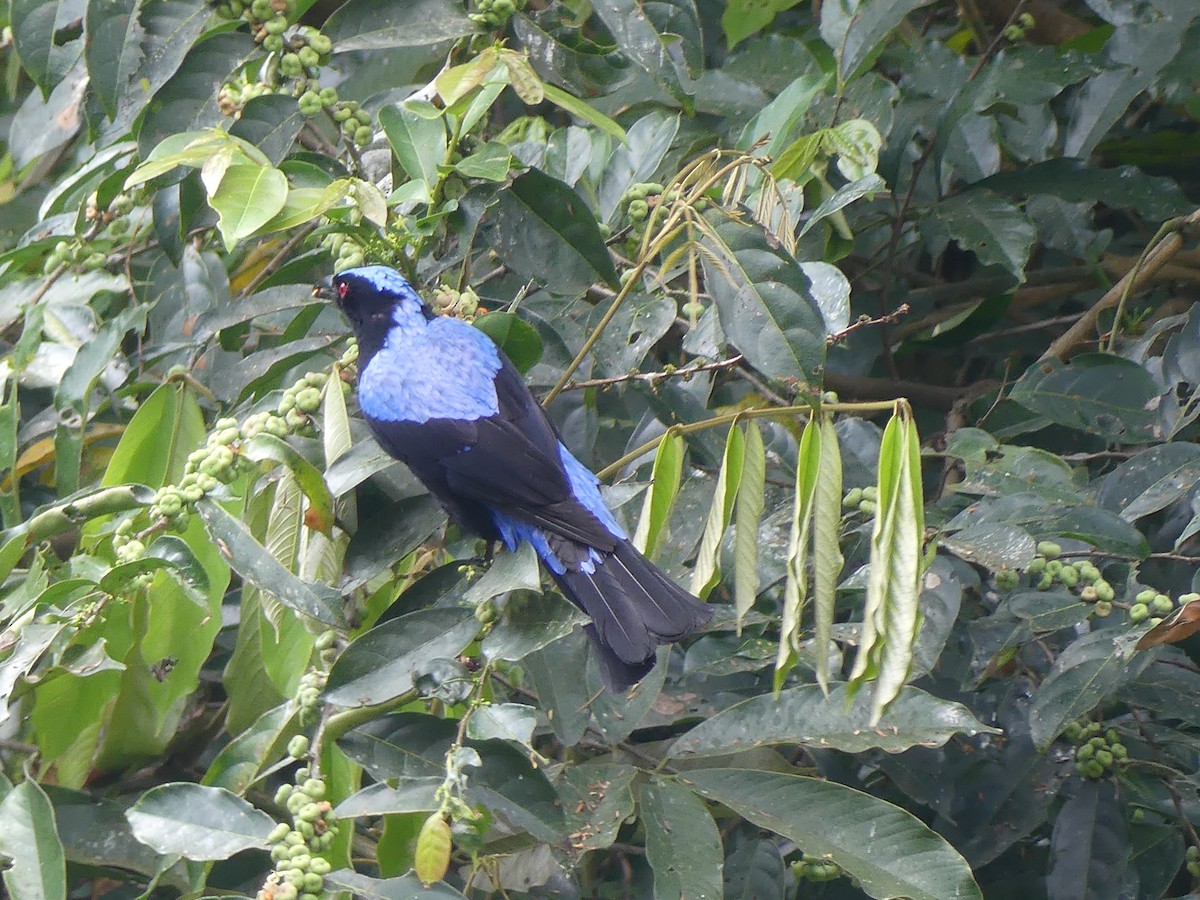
864	321
278	259
653	377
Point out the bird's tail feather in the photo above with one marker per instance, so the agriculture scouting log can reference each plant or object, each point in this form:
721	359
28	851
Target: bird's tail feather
634	608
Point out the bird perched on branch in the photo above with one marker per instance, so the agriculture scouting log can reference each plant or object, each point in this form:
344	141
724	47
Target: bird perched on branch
440	396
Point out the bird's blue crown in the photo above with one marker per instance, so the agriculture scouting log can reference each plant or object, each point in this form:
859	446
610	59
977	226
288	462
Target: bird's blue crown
390	287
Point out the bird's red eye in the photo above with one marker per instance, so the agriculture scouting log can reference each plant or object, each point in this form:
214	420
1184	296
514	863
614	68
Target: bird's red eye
343	289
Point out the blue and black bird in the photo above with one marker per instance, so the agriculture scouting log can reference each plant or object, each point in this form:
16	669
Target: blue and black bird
440	396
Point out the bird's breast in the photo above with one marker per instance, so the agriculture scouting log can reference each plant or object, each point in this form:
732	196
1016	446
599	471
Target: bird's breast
435	374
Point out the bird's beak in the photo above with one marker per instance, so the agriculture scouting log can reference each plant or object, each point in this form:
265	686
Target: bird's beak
324	291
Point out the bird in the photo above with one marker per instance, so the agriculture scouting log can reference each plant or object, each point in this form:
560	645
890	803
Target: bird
440	396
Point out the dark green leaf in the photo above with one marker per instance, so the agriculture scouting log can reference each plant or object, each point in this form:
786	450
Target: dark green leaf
1100	394
597	799
664	39
683	846
529	622
638	160
1074	180
804	715
251	560
381	664
381	24
855	28
545	231
198	822
985	223
517	338
1087	672
765	302
1089	848
406	887
113	48
889	851
418	142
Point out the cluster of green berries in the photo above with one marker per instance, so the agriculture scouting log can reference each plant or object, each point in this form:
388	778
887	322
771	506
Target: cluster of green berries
862	499
267	18
1192	860
354	121
1016	31
300	872
220	460
1096	754
1150	604
494	13
75	255
816	868
312	682
347	253
446	301
1046	569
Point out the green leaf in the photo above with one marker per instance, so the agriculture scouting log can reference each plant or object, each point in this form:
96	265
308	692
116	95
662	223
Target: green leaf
743	18
841	198
512	722
827	553
419	143
748	514
545	231
187	102
572	105
705	575
683	845
268	448
795	587
641	322
113	48
247	198
645	147
597	798
1096	393
406	887
251	560
513	571
854	29
169	29
518	339
381	664
410	795
564	699
29	838
243	759
382	25
34	24
530	622
196	822
891	612
1152	197
764	301
154	448
888	851
805	715
985	223
1087	672
1089	848
491	162
660	499
665	41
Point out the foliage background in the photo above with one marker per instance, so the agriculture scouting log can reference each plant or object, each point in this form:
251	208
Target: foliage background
982	207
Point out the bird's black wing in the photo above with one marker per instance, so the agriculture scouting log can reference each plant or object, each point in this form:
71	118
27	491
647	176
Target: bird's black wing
508	462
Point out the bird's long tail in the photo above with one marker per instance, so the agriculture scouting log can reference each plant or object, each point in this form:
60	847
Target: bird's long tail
634	608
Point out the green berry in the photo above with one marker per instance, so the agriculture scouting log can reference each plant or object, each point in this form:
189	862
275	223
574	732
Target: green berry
315	788
273	43
1147	596
290	65
1007	580
320	866
1069	576
1036	566
321	43
309	400
278	833
298	746
1084	753
1046	582
276	27
329	96
1105	758
309	812
362	135
1139	612
1104	591
853	497
1049	549
638	210
1054	567
309	58
1103	608
1163	604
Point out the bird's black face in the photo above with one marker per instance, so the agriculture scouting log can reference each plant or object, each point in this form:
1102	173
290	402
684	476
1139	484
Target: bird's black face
376	299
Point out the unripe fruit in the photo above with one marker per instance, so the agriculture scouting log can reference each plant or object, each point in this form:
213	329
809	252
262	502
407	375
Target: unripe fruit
278	833
1049	549
1104	591
1147	596
853	497
298	746
432	856
1163	604
1036	566
1139	612
1103	608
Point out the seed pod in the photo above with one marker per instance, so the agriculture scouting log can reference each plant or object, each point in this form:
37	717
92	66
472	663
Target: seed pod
432	857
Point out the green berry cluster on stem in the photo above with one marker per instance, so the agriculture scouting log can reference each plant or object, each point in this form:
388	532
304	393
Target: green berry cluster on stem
494	14
300	870
861	500
816	869
1097	752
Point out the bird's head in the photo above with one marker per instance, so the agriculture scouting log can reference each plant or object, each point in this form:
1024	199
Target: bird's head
376	299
